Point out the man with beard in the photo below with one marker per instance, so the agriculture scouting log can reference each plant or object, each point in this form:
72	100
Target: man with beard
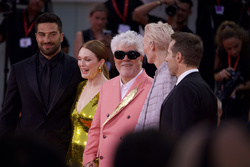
41	89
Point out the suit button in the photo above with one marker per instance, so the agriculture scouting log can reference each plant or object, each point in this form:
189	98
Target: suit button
104	136
122	138
128	117
107	115
101	157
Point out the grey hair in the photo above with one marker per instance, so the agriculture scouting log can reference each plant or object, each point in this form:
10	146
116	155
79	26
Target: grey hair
128	38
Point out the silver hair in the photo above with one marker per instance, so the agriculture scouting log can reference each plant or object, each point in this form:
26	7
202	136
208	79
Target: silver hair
159	33
128	38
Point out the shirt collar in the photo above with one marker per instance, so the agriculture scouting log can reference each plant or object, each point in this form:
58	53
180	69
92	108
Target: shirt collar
185	74
53	61
130	83
125	87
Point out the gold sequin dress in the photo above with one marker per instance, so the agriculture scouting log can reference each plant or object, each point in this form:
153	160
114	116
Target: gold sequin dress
81	123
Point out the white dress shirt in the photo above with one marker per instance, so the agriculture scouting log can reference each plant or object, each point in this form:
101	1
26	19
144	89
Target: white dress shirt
125	87
185	74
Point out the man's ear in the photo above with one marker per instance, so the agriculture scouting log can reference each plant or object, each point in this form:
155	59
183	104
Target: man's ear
141	57
179	57
62	35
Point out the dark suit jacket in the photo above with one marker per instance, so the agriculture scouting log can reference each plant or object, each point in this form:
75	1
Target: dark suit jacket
23	96
190	102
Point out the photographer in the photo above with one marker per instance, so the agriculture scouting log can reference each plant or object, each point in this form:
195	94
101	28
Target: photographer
18	30
178	12
232	72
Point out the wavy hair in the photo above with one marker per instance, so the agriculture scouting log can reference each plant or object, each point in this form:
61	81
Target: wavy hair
126	39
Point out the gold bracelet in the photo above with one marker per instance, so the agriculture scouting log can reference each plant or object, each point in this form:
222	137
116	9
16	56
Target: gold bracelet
159	2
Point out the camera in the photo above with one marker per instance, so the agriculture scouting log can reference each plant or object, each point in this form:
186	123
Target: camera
106	32
230	85
9	6
171	10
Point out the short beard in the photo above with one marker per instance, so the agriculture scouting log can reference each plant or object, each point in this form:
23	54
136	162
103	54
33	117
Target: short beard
49	52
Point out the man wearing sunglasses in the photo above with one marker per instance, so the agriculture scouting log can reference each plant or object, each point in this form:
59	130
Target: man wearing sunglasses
121	101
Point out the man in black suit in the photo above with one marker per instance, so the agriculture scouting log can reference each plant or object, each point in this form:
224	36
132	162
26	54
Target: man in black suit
42	88
191	100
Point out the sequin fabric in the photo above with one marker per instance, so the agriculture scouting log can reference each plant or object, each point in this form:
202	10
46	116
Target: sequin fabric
81	123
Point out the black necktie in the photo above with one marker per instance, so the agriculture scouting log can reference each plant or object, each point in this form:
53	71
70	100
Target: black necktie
45	84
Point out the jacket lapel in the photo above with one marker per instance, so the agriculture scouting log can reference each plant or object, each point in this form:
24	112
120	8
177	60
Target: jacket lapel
32	77
116	87
138	84
169	95
64	82
193	74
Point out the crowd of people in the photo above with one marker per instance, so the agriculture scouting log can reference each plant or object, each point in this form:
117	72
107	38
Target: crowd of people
123	98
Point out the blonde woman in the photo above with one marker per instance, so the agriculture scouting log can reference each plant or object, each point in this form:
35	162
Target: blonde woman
156	40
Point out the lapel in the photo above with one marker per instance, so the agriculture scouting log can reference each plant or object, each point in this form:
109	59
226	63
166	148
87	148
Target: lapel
116	87
65	79
185	79
138	84
169	95
32	76
64	82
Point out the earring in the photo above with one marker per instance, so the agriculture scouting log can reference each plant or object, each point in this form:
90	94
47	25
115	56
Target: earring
100	69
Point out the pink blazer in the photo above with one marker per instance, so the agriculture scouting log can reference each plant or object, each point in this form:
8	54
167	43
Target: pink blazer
103	140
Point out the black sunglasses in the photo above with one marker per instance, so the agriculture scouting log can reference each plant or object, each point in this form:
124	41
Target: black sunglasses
131	54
